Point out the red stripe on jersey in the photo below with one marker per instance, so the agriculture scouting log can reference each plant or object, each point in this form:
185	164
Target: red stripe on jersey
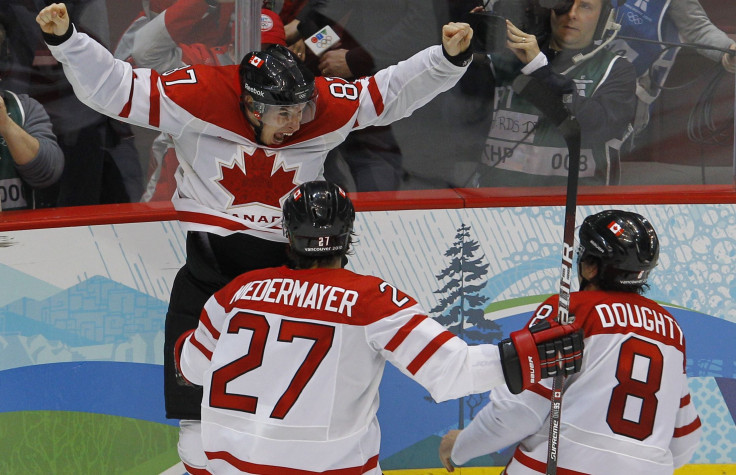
688	429
541	467
126	108
375	95
404	332
205	319
207	353
260	469
428	351
154	111
209	220
196	471
685	401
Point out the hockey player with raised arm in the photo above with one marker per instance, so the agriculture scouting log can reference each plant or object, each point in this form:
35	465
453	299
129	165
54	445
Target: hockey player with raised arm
628	411
291	358
244	136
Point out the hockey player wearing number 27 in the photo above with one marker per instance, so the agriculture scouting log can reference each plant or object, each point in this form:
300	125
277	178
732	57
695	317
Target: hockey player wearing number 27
629	410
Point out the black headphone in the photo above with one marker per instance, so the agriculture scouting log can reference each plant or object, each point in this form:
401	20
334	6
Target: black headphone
606	20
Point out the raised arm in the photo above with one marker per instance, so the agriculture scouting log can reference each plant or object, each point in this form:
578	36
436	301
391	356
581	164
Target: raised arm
395	92
103	83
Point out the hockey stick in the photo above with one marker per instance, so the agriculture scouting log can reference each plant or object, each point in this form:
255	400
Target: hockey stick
552	107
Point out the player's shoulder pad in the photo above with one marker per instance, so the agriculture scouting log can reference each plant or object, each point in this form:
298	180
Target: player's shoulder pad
210	93
337	99
380	298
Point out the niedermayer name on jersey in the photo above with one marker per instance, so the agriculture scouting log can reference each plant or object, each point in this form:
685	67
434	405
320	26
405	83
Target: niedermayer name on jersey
297	293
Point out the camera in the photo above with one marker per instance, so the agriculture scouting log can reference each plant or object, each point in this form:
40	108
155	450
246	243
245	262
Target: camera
530	16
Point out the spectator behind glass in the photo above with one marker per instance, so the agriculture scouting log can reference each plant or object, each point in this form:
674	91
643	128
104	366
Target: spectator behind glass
522	147
672	21
288	9
30	157
372	35
212	29
101	162
158	44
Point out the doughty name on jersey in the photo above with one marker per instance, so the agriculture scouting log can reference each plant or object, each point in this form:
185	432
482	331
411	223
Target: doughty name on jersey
627	315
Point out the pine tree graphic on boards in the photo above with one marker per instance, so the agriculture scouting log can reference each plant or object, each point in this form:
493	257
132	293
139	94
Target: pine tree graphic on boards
461	306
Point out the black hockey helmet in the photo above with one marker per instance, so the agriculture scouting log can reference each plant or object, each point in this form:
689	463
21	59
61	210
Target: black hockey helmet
276	79
318	219
624	244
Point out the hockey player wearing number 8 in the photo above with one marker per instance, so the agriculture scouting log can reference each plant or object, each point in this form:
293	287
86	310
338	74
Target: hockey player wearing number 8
244	136
291	358
629	409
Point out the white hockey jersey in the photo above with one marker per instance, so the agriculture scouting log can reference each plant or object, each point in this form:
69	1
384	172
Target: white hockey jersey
627	412
291	361
226	182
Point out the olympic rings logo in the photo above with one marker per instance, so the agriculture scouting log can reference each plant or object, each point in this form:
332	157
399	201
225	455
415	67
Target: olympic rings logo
322	41
634	19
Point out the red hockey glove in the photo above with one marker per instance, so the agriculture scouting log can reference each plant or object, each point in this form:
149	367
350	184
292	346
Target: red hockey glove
532	354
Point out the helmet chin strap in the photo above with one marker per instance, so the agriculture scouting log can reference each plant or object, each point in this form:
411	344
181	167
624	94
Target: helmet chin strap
583	281
258	129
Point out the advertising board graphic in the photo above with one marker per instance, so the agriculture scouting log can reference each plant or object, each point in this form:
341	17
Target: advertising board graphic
82	312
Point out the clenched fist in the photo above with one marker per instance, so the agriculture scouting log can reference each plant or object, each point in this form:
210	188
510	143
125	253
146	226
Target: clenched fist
456	37
54	19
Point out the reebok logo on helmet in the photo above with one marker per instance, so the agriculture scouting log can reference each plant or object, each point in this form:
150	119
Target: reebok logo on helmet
597	247
253	90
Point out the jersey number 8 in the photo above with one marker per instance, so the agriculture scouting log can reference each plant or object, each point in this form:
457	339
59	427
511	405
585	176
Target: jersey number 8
629	389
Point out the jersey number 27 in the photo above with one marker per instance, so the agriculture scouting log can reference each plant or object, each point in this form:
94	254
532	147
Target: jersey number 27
321	335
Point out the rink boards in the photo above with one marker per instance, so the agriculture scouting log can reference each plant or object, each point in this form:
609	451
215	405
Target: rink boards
82	310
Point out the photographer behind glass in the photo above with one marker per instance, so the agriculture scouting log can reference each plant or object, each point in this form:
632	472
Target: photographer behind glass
561	43
30	157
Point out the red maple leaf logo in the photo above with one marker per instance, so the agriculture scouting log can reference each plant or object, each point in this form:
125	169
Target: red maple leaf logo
256	181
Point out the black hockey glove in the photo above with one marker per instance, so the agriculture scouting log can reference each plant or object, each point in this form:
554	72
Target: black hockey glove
532	354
